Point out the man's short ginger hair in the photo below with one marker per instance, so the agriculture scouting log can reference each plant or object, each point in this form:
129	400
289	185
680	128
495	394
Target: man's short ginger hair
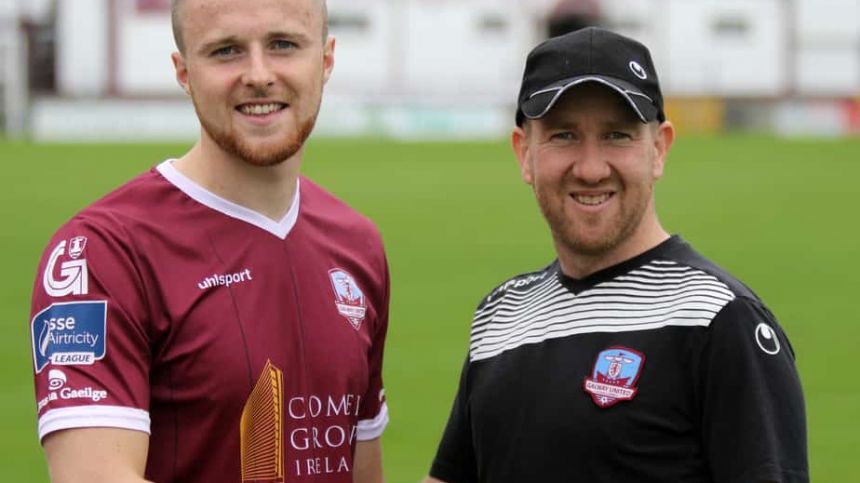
175	6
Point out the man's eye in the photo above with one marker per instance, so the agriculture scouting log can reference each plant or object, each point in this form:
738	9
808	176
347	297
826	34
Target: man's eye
562	136
618	135
225	51
283	44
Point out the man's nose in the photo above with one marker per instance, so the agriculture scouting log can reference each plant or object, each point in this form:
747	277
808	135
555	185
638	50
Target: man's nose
259	70
591	165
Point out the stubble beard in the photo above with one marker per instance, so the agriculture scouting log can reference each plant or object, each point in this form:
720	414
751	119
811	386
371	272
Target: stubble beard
268	154
571	232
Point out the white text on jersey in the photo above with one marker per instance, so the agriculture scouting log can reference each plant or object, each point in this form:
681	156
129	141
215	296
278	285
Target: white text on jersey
227	279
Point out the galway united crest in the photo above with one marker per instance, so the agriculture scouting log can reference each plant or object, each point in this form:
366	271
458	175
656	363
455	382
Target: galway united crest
349	299
76	246
614	376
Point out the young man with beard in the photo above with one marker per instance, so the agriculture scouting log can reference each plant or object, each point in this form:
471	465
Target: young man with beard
630	358
220	318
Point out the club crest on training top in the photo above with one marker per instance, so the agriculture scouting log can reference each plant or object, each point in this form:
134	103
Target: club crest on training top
349	299
614	376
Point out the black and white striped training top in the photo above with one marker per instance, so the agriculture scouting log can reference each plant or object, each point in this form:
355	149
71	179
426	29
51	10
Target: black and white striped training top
661	368
539	307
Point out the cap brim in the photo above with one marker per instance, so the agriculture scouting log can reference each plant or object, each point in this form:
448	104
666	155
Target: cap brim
540	103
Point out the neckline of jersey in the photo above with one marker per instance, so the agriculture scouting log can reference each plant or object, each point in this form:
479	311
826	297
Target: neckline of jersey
205	197
578	285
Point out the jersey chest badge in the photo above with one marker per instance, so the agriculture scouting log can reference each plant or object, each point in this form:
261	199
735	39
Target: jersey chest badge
614	376
348	298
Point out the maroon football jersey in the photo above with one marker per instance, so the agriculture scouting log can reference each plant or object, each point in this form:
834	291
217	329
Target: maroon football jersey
249	350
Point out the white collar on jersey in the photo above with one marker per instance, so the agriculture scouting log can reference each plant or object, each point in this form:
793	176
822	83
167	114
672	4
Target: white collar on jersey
205	197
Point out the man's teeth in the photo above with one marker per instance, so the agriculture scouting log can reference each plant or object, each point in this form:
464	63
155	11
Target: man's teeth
260	109
591	200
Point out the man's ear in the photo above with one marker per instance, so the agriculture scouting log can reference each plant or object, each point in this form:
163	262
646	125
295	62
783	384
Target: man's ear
520	145
663	139
181	71
328	57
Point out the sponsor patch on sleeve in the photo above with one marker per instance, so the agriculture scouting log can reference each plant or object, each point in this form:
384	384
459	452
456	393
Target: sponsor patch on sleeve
73	278
69	334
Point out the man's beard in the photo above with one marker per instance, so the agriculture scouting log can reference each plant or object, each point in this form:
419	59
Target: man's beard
268	154
572	232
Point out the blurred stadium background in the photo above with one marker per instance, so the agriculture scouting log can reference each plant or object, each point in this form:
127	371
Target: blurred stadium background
765	93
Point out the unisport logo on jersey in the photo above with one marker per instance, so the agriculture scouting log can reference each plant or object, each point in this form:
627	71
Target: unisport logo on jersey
614	376
69	333
349	299
73	274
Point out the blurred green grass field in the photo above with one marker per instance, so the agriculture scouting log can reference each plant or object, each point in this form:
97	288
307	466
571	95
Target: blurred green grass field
781	215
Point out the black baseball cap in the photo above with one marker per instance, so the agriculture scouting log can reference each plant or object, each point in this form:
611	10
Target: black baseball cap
590	55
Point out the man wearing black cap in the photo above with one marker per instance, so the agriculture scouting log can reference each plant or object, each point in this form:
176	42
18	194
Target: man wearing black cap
630	358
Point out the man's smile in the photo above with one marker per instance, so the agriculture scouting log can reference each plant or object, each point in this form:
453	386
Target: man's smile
261	109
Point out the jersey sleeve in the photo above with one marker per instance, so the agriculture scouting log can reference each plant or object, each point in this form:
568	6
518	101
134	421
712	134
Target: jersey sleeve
753	418
89	340
455	460
373	416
